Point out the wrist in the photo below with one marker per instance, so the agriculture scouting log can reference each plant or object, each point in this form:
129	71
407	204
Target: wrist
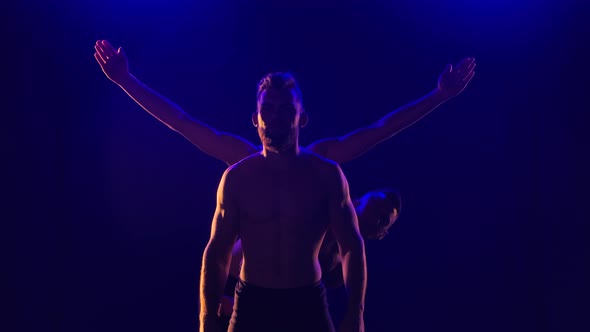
440	95
125	81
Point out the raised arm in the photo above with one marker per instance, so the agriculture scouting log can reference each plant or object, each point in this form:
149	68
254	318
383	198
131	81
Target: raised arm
344	224
350	146
226	147
217	254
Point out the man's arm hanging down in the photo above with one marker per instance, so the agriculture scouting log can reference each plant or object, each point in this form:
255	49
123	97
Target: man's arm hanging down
217	254
344	224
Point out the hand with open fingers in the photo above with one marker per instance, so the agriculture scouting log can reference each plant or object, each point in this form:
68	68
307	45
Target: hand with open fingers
453	81
112	62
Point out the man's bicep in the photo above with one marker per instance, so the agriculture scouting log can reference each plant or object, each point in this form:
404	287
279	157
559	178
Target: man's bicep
343	219
320	147
345	226
225	227
350	146
226	147
224	230
235	148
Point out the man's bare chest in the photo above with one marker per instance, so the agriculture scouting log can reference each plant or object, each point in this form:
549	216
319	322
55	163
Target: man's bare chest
286	197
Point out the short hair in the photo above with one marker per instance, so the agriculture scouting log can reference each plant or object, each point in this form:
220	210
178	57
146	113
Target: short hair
394	197
279	80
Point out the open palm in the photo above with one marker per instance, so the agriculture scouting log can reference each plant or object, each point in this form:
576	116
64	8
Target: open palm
453	81
112	62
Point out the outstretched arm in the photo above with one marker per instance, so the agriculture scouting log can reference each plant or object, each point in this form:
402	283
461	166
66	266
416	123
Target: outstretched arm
451	83
226	147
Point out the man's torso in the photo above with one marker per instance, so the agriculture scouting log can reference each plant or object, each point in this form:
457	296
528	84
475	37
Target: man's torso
283	213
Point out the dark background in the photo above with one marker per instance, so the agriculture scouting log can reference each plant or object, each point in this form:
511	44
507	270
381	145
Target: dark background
108	211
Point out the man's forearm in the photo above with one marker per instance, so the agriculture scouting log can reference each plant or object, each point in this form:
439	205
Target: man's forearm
152	102
354	270
223	146
213	278
409	114
356	143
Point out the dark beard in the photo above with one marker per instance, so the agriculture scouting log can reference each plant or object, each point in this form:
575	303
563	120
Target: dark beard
277	141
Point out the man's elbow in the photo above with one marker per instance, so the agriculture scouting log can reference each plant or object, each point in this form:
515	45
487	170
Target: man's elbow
354	246
215	255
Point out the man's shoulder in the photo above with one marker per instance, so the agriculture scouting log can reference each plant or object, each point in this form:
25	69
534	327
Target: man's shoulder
328	170
246	162
242	166
318	160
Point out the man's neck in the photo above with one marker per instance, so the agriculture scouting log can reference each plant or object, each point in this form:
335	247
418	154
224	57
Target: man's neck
286	152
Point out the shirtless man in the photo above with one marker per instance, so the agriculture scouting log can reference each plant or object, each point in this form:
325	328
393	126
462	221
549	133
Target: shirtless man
230	148
377	211
281	202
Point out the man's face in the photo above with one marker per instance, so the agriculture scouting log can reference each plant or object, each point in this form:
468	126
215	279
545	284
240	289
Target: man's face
278	117
376	215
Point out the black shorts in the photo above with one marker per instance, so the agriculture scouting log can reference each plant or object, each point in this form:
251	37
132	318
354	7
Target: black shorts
270	310
338	304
